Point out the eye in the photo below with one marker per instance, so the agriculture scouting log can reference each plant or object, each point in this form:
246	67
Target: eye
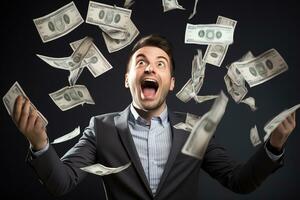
161	64
141	63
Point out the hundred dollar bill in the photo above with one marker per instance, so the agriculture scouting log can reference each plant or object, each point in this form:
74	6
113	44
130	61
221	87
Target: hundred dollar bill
11	96
68	136
247	56
208	34
262	68
254	136
171	5
201	99
116	34
78	56
237	92
80	52
204	129
74	75
186	93
235	83
235	75
102	170
108	16
198	70
65	63
71	96
58	23
190	121
194	10
128	3
215	54
96	63
183	126
116	45
250	101
72	62
272	125
194	84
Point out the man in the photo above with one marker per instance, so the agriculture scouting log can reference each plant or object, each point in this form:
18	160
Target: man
143	135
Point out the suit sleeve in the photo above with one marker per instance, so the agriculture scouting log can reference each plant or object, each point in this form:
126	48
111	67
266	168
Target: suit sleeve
60	175
239	177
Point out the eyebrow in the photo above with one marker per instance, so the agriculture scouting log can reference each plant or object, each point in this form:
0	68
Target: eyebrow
143	55
140	55
163	58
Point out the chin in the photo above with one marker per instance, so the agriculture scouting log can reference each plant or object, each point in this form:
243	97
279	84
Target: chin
151	105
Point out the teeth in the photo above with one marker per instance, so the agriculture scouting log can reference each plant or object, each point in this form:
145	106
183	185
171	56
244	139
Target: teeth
147	79
148	82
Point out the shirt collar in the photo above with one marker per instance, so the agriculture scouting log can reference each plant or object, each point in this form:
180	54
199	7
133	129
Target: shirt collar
136	118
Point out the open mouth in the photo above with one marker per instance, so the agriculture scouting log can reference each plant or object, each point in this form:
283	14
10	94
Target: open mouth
149	88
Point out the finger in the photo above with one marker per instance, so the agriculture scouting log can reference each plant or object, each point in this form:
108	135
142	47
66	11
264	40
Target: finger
280	128
288	126
294	115
39	123
24	116
18	108
290	119
283	124
31	120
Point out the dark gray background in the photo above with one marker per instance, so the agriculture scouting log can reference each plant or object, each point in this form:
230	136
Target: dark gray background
261	26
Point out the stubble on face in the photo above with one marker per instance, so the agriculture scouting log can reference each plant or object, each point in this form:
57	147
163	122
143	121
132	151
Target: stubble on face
150	86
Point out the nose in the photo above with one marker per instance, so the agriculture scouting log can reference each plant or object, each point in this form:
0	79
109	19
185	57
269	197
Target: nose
149	69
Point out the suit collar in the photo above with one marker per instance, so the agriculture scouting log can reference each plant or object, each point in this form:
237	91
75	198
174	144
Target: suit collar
178	139
121	122
136	118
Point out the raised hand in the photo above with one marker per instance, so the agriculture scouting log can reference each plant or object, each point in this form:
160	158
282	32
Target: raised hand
283	130
30	123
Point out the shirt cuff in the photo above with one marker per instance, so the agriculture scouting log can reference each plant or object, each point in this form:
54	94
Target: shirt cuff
40	152
272	156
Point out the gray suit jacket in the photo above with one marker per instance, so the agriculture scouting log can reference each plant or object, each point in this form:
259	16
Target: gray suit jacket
107	140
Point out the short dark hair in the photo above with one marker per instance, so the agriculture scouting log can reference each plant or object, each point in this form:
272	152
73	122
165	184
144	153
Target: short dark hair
154	40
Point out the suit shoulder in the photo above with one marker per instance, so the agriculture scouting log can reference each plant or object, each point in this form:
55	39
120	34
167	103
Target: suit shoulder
106	116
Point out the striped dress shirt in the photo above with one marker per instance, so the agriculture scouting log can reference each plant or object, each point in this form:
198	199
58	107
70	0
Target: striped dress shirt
153	143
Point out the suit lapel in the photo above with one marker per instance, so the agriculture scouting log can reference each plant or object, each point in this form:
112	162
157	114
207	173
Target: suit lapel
121	122
178	139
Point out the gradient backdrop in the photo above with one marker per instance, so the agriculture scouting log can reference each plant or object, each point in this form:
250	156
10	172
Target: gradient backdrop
261	26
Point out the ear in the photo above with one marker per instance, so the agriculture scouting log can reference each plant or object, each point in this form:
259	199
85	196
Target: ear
126	81
172	85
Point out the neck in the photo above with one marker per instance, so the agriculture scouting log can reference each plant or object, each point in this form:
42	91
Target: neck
148	114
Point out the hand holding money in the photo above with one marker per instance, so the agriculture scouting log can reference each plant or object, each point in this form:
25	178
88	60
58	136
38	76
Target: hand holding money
284	129
30	123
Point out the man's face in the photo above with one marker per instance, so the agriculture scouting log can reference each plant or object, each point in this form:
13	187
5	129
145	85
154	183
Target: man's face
149	78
